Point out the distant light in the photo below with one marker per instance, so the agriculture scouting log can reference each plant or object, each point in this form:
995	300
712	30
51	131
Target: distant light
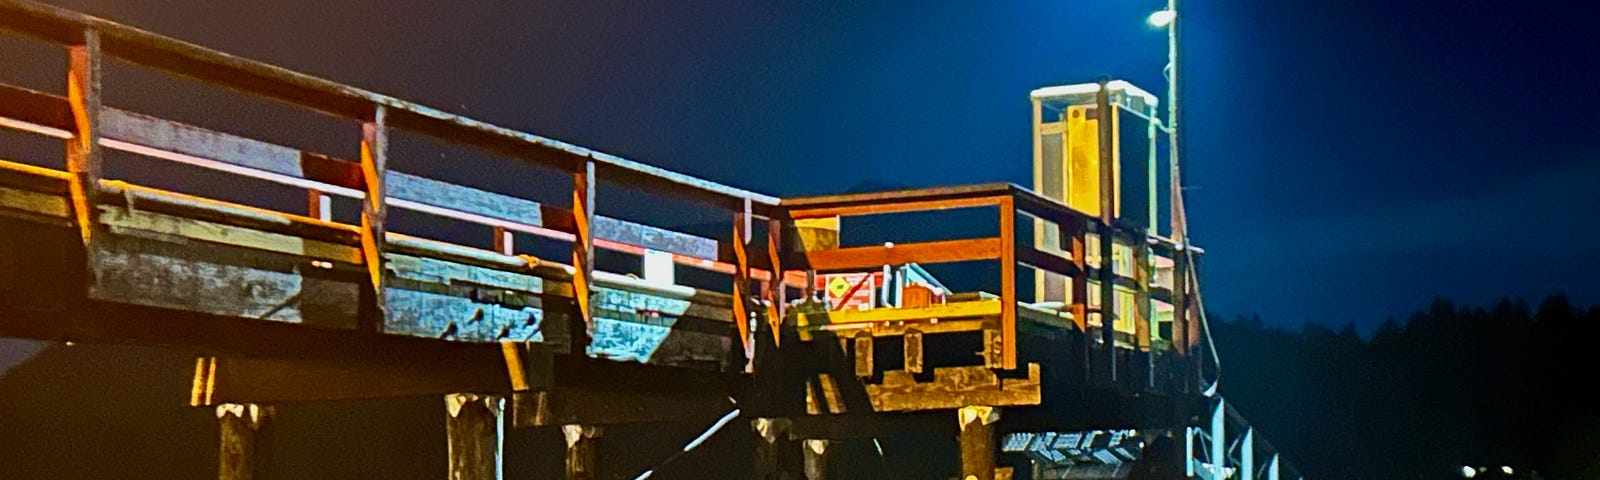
1162	18
1468	472
1507	470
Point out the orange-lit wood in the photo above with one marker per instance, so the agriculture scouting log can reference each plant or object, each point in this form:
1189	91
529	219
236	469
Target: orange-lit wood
775	287
583	244
741	278
896	207
1008	284
83	149
926	252
374	210
1080	282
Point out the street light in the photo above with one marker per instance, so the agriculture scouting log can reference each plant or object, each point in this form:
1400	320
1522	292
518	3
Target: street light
1162	18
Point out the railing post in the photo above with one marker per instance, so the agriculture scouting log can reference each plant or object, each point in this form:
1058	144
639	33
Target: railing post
83	149
1080	280
1182	338
504	243
741	276
1247	455
1219	441
319	205
374	211
1107	230
1008	283
1188	452
583	252
776	290
1144	325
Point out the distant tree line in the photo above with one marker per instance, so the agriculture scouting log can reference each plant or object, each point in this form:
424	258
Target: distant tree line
1451	386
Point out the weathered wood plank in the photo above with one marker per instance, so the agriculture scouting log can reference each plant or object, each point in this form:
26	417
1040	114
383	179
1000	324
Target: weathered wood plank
943	311
953	387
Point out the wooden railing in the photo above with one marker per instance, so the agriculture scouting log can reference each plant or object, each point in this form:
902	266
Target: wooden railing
90	126
1008	200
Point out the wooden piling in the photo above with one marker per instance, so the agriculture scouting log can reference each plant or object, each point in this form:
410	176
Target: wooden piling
474	426
977	440
244	431
582	448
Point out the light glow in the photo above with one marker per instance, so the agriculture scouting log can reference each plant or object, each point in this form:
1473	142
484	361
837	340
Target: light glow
1162	18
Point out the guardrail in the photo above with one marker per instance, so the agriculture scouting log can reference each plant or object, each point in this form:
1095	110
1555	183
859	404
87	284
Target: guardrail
90	126
1078	232
1229	448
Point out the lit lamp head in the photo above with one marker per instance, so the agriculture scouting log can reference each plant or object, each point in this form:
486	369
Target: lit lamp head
1162	18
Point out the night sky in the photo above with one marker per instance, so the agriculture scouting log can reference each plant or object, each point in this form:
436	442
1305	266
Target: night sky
1349	160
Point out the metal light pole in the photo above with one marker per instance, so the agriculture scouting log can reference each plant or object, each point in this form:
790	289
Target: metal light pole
1169	20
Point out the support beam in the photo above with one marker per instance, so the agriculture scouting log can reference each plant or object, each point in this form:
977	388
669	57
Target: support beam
1008	284
416	367
474	427
583	443
83	149
977	441
244	428
1108	205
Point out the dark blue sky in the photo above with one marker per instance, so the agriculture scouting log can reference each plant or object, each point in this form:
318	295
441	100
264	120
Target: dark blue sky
1350	159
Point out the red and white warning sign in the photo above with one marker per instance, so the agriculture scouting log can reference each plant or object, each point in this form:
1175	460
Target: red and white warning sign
855	291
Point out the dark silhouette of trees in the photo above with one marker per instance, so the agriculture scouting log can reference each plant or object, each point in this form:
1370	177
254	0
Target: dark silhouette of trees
1451	386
